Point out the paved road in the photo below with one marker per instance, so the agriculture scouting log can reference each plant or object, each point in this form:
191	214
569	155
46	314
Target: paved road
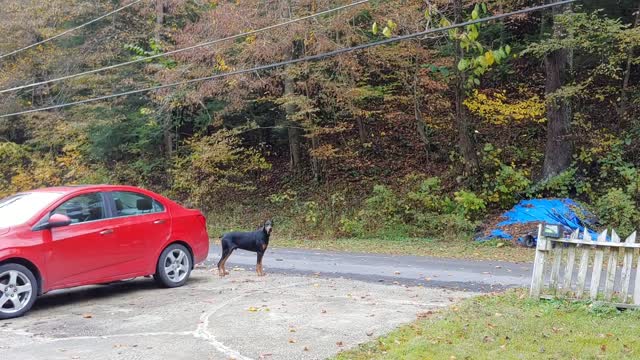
410	270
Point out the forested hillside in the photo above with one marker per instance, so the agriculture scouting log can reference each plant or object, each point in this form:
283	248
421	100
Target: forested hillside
423	137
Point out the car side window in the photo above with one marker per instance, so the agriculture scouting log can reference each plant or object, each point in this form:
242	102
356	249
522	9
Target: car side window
83	208
131	203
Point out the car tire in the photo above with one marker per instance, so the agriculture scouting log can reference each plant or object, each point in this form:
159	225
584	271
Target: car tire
174	266
18	290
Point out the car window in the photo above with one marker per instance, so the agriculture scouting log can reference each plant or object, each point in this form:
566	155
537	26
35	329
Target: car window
131	203
83	208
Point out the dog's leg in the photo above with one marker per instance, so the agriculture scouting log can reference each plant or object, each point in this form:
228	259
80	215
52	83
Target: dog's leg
224	262
259	264
226	252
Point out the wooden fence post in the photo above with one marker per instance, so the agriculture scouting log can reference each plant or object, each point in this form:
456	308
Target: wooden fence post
627	265
584	265
597	267
612	267
542	247
571	259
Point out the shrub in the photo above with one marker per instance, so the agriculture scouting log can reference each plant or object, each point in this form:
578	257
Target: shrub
502	183
424	210
561	185
505	186
428	197
215	165
469	204
617	210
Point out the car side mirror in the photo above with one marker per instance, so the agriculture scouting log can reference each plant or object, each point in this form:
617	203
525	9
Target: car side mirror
55	220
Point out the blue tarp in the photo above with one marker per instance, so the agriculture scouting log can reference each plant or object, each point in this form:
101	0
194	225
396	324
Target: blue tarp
565	212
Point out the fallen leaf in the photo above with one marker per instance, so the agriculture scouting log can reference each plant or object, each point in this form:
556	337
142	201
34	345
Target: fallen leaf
292	330
324	311
252	309
87	316
339	343
424	314
491	326
488	339
397	272
498	267
306	348
603	347
292	341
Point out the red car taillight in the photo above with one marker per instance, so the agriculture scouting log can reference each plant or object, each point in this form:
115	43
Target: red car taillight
202	219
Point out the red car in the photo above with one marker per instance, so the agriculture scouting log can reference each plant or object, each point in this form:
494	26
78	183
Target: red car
63	237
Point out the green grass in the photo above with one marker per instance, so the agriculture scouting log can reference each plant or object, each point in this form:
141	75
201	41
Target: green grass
511	326
457	248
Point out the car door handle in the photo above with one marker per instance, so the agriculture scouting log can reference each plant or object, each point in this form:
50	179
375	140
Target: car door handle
106	232
161	221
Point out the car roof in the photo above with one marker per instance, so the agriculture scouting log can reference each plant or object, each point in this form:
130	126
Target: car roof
73	188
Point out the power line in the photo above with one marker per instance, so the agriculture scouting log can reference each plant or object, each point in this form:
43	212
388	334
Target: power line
70	30
294	61
206	43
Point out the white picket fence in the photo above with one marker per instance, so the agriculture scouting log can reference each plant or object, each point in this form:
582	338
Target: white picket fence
562	281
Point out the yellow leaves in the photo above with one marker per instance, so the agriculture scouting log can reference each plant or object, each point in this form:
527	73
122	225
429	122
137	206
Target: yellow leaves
324	152
489	58
496	108
221	65
250	39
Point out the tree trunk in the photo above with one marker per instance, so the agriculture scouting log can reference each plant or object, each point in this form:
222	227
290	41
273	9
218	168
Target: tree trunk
167	123
624	97
160	9
417	113
466	142
362	130
316	164
293	130
559	147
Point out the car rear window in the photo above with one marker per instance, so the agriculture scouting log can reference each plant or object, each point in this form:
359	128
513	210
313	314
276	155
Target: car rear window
131	203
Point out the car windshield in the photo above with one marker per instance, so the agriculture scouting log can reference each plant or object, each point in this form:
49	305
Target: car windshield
17	209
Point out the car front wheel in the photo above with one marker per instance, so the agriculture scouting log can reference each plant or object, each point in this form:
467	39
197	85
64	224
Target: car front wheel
174	266
18	290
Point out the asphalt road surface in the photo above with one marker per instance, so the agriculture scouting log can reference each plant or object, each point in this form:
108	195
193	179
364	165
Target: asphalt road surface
469	275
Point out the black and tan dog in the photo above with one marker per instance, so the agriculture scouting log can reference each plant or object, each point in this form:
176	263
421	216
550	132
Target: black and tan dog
256	241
